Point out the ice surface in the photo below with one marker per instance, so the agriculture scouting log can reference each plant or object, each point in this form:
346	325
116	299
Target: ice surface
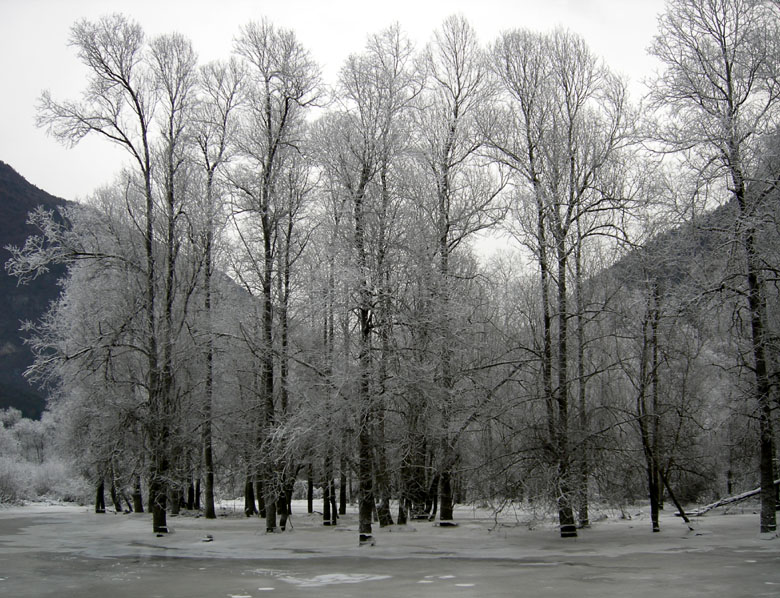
52	550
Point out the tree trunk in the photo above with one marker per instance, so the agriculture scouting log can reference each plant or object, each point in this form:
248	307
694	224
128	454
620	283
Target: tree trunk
115	498
403	509
365	482
249	497
382	478
445	492
582	459
100	498
208	454
343	484
206	435
654	490
284	503
175	501
327	517
158	487
190	495
365	406
310	489
565	508
759	341
329	514
648	376
159	498
333	502
270	497
260	497
138	500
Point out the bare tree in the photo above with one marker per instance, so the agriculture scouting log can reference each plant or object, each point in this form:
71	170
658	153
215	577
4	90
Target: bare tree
215	131
282	81
118	105
359	145
717	96
463	191
565	121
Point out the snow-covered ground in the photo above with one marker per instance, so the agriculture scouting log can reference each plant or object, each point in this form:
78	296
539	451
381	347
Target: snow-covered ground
57	550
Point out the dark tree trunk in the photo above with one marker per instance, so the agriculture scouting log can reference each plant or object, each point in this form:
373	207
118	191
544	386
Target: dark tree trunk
138	500
383	486
402	510
445	485
310	489
652	475
565	507
208	466
329	509
343	484
329	497
190	496
260	496
197	496
271	510
115	498
159	504
333	503
175	501
285	503
249	497
326	503
582	459
100	498
759	340
648	376
365	481
364	397
206	434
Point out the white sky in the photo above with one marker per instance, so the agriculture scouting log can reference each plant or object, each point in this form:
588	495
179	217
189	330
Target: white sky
34	54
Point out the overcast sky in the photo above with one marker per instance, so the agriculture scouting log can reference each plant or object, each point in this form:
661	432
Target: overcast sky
34	54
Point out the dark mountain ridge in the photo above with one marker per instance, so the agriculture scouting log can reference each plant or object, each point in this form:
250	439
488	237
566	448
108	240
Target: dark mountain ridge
19	303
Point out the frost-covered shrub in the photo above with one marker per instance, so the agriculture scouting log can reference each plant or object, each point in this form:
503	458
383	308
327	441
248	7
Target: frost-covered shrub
9	443
54	479
14	480
32	435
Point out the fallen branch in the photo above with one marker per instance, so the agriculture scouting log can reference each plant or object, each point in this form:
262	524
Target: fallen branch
725	501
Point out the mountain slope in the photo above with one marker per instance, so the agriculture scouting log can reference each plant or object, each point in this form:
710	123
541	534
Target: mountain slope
19	303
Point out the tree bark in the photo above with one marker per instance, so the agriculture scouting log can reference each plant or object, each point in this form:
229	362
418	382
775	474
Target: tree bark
310	489
138	501
100	498
249	497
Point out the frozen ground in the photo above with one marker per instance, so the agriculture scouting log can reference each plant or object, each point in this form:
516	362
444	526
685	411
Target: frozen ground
66	551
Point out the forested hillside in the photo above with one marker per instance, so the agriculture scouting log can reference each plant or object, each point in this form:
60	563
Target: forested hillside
284	287
20	303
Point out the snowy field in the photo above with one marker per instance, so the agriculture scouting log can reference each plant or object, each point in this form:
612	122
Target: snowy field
69	551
